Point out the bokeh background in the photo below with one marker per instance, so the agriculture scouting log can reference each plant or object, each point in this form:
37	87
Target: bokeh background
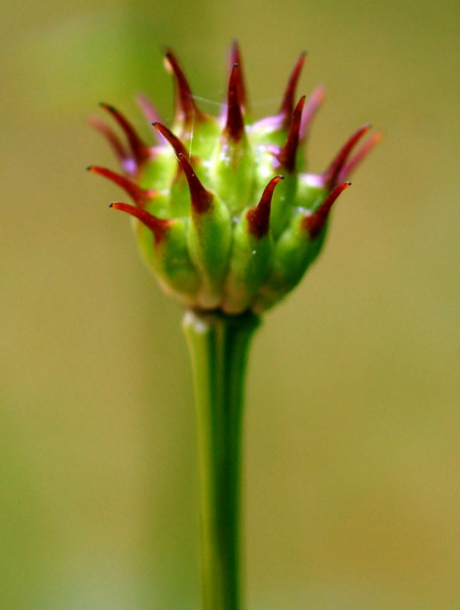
352	427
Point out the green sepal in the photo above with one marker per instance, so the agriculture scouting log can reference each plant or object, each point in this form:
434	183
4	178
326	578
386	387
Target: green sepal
170	260
179	197
201	140
158	205
158	172
231	172
209	243
249	264
292	255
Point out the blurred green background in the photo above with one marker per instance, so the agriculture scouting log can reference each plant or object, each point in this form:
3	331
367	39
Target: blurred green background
352	428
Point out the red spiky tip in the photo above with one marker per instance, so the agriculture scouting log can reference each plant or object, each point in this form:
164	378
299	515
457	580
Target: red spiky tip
179	148
287	105
186	109
332	173
287	155
158	226
116	144
139	149
314	223
138	194
234	126
359	156
258	217
201	199
314	103
235	58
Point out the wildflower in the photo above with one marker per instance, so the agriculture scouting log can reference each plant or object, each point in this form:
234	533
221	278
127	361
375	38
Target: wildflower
229	224
222	213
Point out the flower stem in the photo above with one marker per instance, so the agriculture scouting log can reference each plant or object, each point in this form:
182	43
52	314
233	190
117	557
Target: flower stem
218	346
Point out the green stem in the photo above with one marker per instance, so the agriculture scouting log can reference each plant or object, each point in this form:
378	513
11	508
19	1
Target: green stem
218	346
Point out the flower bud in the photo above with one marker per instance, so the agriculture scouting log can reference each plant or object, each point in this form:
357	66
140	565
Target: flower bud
223	214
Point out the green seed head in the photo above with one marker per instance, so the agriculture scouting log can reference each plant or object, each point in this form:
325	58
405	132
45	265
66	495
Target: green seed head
222	213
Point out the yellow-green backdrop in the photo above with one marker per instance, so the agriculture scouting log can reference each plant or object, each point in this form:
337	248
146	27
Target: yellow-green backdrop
352	452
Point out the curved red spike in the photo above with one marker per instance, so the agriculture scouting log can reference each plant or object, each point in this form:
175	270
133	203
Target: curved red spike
287	104
235	58
114	141
358	157
259	216
201	199
140	150
287	155
158	226
234	126
138	194
314	223
149	111
334	170
312	106
179	148
186	108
